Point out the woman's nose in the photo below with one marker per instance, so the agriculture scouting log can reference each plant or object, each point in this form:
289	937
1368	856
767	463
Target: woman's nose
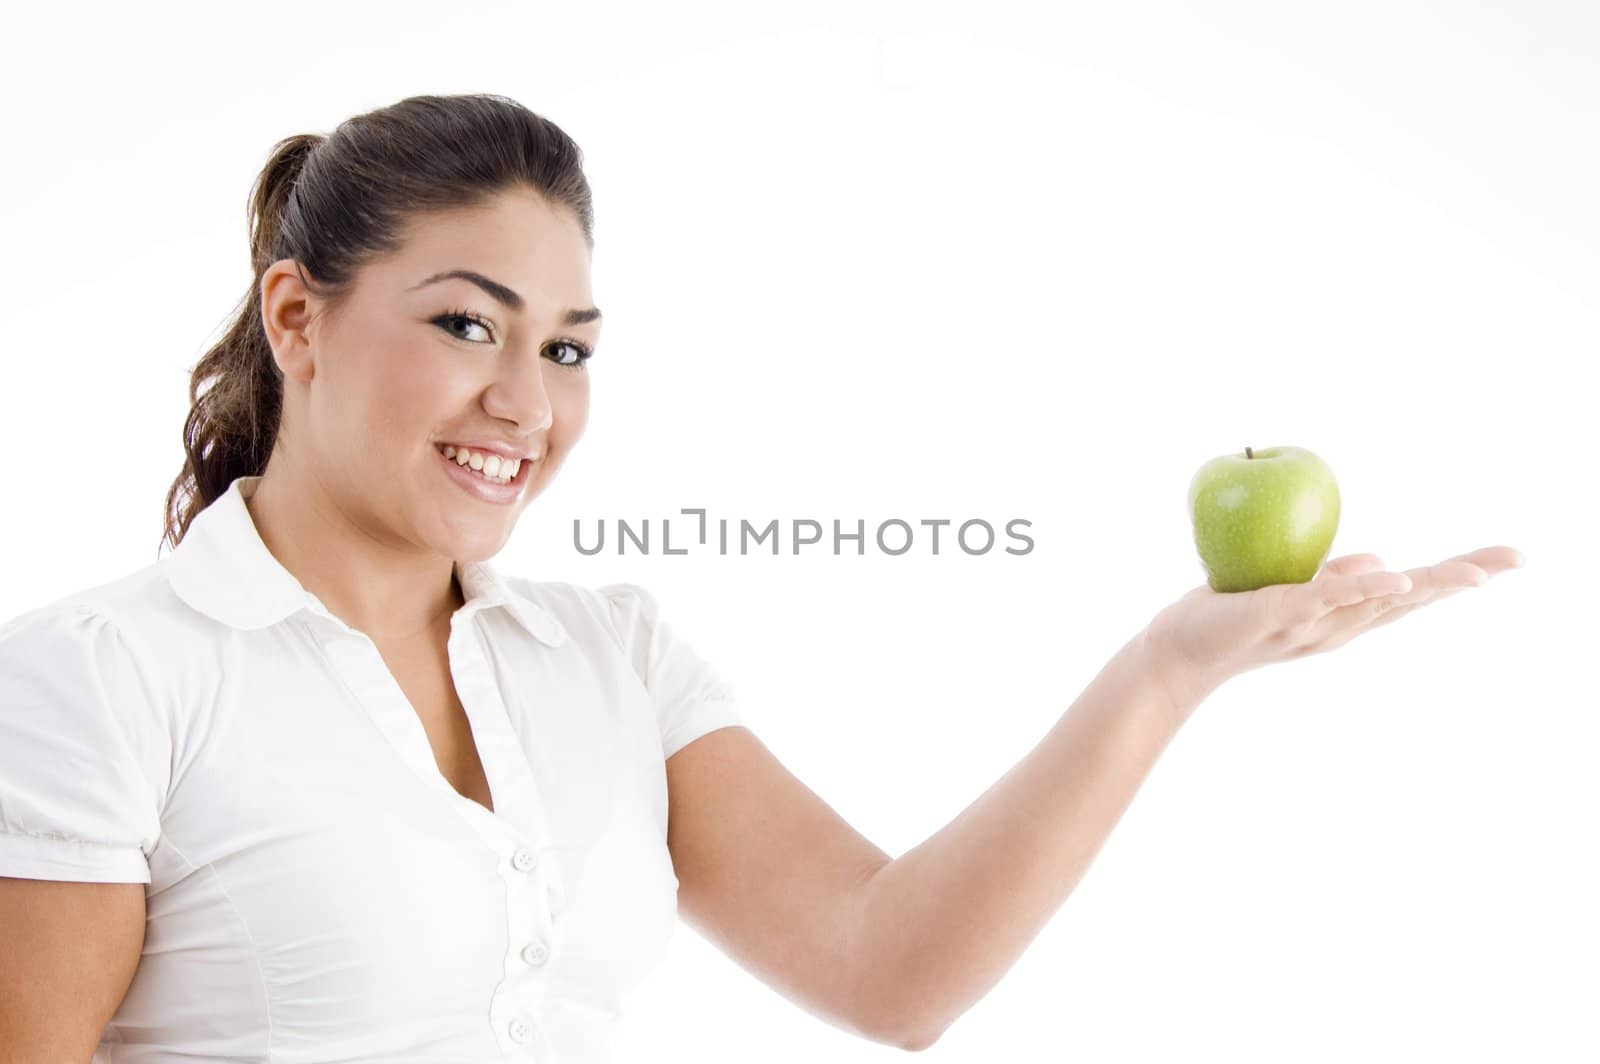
520	395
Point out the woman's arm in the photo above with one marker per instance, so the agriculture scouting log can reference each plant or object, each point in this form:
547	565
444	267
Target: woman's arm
944	921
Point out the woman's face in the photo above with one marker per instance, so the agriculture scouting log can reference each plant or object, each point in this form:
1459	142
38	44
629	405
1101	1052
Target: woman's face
408	365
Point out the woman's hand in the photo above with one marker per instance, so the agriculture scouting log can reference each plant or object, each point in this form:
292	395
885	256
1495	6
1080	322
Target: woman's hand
1206	637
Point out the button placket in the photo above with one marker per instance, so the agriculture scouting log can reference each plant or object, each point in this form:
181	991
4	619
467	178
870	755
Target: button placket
530	946
537	951
525	861
516	830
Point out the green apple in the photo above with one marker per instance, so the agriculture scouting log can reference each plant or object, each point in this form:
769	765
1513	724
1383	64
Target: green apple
1263	517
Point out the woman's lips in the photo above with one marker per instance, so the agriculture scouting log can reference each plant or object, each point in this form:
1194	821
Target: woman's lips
480	486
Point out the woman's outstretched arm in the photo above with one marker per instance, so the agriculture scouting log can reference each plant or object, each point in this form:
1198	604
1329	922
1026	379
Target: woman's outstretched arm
941	924
945	920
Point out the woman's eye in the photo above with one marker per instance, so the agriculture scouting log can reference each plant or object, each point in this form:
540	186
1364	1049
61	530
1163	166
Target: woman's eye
580	354
457	317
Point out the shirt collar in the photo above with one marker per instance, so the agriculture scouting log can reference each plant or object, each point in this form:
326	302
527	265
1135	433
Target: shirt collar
222	568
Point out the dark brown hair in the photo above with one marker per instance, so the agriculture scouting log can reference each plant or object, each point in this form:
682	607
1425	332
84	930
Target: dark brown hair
332	203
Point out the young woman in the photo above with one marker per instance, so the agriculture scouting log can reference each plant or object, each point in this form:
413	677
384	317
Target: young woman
322	784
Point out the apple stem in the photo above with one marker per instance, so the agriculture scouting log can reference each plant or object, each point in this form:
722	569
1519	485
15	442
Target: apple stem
1247	453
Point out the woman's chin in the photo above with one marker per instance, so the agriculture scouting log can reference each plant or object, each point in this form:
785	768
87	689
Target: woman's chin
468	537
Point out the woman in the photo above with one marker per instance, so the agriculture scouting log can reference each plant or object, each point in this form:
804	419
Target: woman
323	784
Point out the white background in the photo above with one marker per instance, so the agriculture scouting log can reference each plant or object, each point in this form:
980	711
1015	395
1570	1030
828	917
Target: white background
987	260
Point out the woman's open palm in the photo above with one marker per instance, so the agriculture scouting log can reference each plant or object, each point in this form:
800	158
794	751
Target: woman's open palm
1207	636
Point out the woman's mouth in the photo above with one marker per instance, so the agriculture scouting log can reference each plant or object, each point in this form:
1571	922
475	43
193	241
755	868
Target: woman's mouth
485	476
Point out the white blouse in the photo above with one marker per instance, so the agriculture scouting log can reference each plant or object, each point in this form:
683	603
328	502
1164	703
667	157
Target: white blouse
317	891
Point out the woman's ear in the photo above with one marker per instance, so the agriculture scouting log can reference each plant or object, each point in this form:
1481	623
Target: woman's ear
286	318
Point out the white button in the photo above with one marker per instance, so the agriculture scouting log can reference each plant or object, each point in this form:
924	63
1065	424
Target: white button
536	953
521	1029
523	860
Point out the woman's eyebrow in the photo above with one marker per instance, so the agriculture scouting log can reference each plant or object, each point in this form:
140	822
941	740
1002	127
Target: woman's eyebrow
505	296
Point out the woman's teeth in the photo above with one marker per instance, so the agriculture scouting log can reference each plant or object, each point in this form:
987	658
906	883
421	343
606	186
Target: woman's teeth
491	466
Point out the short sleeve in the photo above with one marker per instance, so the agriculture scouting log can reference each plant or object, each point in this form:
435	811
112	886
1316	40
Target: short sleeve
75	803
691	699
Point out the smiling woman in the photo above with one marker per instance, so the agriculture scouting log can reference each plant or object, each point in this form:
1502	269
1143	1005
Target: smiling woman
341	790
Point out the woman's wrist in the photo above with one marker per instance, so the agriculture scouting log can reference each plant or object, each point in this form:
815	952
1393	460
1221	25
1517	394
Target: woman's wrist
1186	685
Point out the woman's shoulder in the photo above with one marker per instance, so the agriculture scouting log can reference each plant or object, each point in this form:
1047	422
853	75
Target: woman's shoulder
616	606
127	603
82	662
691	695
85	750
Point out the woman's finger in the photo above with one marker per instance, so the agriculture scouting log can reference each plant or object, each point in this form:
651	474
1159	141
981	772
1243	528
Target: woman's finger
1337	609
1493	560
1321	598
1350	563
1394	614
1349	632
1351	582
1428	584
